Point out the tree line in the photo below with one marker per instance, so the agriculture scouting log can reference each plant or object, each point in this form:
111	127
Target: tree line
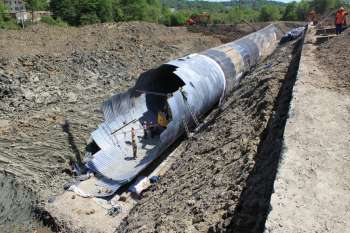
172	12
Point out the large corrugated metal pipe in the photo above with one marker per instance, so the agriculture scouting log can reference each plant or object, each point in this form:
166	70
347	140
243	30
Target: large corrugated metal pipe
165	103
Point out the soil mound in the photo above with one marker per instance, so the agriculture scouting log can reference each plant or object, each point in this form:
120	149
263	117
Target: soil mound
333	57
230	32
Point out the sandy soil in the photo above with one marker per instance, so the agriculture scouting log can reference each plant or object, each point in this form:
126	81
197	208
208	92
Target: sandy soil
312	190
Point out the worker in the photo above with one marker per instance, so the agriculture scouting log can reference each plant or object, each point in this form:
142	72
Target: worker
162	119
133	143
340	20
147	130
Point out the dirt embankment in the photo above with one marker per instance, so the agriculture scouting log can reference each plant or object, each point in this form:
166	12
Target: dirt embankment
333	57
53	81
230	32
214	186
312	189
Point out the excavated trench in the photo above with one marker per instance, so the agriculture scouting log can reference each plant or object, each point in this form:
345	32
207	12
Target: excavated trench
186	196
223	181
254	203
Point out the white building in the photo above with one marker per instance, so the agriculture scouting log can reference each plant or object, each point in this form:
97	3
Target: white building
17	9
15	6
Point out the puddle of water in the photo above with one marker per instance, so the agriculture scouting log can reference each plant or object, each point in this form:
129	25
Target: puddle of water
16	208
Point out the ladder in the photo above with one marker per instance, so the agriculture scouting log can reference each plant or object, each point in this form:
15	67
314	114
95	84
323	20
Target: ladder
187	130
195	119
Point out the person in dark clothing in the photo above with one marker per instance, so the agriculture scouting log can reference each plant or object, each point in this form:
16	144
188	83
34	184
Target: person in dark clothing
133	143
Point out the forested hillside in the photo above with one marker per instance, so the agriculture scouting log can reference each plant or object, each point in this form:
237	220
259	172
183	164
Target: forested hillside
171	12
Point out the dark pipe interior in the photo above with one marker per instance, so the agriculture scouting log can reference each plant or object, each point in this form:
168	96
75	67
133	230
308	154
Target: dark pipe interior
156	84
161	80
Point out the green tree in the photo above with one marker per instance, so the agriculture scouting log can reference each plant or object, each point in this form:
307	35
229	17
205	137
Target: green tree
146	10
36	5
3	12
303	9
66	10
88	18
270	13
5	19
105	10
322	6
178	18
154	10
290	12
87	12
165	17
134	9
238	14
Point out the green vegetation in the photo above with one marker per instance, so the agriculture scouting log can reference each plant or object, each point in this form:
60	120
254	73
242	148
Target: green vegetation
171	12
299	11
6	22
270	13
51	21
81	12
36	5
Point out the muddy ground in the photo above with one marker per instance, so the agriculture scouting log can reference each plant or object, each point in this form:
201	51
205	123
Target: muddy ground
52	82
223	180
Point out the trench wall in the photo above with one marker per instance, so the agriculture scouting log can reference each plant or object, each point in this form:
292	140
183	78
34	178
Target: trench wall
311	186
273	222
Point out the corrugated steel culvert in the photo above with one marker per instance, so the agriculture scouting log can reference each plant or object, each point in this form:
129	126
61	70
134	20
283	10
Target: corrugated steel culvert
186	88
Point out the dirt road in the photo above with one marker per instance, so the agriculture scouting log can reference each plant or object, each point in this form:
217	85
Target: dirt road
312	190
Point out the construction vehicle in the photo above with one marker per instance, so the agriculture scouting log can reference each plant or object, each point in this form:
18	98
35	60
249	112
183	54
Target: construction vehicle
199	19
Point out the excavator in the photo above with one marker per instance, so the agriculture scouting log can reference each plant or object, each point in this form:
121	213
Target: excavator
199	19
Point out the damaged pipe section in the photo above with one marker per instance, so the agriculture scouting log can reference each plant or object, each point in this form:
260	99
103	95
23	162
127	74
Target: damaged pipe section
185	89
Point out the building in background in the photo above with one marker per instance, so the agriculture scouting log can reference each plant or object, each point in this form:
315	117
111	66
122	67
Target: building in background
17	9
15	6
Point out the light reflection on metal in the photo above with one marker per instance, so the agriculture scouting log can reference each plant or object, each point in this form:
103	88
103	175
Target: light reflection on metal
202	78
